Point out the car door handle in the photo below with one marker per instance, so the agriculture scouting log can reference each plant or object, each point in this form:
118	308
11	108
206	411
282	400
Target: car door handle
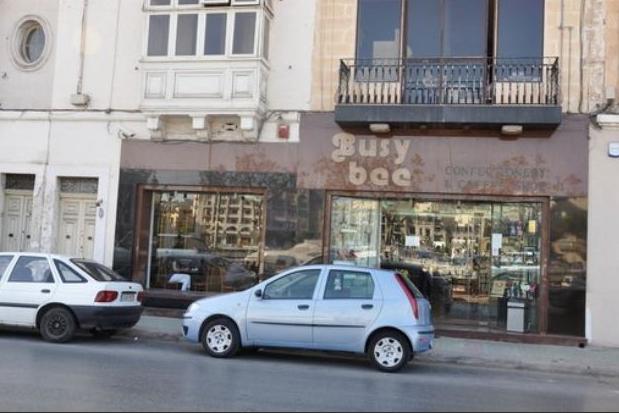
367	306
46	291
303	307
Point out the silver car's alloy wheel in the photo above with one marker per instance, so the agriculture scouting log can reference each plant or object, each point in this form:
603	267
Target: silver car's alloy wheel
388	352
219	339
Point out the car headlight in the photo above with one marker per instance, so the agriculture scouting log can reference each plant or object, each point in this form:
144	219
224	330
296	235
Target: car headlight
193	308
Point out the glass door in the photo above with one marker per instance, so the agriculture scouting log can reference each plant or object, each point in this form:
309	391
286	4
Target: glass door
516	264
355	231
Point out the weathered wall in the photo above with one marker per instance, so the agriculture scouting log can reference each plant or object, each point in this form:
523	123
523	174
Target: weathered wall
603	244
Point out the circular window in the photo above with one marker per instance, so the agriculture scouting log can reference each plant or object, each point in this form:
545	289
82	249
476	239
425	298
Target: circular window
30	43
33	44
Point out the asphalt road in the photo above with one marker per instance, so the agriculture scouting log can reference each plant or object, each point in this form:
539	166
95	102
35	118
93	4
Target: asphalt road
120	374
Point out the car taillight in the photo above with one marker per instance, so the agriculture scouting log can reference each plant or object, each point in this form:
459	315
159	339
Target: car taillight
106	296
141	296
411	298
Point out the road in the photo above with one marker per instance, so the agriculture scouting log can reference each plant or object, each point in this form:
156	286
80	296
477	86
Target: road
121	374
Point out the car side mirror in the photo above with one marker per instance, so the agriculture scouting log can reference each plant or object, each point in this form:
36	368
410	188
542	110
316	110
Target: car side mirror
258	293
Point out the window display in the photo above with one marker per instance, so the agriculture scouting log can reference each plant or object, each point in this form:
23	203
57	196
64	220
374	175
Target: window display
201	241
470	258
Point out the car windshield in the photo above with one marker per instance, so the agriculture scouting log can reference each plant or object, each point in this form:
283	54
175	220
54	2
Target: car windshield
97	271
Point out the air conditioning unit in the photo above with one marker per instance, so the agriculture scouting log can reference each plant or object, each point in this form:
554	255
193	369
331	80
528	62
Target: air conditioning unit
214	2
245	2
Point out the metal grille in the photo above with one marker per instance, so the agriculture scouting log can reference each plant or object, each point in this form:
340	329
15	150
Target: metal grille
476	81
20	181
79	185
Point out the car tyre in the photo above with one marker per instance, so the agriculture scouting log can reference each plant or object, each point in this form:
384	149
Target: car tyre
221	338
57	325
389	351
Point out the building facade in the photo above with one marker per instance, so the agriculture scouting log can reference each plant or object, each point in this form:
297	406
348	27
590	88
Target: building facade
199	146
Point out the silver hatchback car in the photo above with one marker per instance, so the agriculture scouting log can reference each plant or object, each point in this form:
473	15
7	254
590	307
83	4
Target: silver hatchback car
320	307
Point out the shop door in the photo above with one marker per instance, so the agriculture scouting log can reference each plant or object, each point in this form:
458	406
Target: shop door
16	223
516	265
76	232
355	228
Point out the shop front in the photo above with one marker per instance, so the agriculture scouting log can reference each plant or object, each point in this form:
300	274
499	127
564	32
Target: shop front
493	231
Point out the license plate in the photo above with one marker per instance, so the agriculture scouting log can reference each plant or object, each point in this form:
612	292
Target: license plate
127	297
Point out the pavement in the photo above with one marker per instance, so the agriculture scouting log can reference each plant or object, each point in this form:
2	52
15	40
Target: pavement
591	360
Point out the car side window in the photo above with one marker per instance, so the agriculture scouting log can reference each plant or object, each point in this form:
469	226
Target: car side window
67	274
296	286
32	270
349	285
5	261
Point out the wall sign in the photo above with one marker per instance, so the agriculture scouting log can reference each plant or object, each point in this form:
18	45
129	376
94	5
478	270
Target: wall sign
613	149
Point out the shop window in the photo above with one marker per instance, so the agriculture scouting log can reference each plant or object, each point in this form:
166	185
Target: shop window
472	259
567	269
194	251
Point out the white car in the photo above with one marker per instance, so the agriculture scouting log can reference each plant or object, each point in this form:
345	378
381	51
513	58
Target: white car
319	307
59	295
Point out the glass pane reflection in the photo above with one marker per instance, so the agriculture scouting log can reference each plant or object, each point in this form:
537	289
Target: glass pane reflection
206	242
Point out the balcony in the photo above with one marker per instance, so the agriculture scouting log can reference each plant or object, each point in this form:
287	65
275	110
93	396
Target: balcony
482	92
206	88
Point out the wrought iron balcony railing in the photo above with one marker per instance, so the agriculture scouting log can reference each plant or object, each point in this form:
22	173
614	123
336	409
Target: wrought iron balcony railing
449	81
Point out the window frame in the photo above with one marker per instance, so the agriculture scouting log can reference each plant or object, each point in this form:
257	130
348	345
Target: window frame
173	11
369	274
265	297
492	40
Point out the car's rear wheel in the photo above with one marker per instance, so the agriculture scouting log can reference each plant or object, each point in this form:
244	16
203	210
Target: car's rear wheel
221	338
389	351
57	325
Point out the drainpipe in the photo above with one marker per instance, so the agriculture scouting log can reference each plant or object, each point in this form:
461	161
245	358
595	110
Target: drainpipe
582	56
79	99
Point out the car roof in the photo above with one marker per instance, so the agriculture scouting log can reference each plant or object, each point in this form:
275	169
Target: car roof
344	267
40	254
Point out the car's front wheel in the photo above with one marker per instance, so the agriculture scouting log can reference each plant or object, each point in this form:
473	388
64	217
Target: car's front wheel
389	351
221	338
57	325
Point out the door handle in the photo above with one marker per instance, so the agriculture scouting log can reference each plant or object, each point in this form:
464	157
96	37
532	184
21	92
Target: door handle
367	306
46	291
303	307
